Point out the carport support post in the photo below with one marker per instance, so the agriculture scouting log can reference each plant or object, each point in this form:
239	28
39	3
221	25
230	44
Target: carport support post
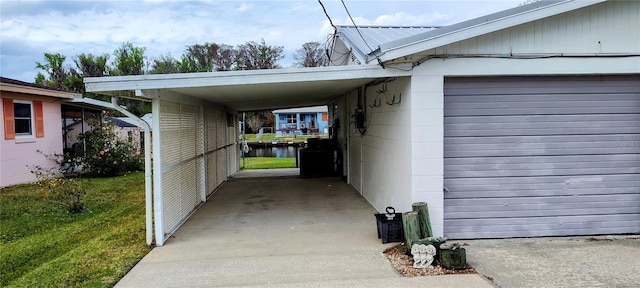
148	179
157	175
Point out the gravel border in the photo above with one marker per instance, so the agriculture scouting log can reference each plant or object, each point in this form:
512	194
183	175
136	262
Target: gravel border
404	265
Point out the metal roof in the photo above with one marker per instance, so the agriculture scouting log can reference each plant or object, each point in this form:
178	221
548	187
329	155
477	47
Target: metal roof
374	36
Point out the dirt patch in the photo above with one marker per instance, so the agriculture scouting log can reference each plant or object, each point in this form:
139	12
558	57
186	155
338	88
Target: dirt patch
404	265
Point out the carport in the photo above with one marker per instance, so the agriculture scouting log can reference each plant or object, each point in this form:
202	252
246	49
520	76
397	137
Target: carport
195	133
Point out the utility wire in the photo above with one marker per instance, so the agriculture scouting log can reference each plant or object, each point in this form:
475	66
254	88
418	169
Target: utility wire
359	33
327	14
335	31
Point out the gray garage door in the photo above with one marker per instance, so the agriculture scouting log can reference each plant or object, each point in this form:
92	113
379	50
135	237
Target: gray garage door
541	156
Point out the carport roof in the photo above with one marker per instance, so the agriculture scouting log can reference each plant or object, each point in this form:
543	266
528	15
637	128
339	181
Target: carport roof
255	89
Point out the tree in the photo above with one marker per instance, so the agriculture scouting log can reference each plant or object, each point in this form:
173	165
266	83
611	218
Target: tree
165	65
129	60
311	55
258	119
254	122
253	56
226	57
90	65
200	57
59	76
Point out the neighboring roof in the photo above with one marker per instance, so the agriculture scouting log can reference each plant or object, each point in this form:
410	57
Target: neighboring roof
397	48
122	121
314	109
130	122
374	36
252	90
17	86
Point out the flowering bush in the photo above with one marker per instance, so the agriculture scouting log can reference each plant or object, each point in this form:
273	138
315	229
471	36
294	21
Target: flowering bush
58	185
106	154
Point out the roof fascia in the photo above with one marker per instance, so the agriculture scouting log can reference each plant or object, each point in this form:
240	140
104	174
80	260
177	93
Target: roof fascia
361	56
36	91
231	78
479	26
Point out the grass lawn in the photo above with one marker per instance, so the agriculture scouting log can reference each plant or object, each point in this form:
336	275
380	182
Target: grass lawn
41	245
267	163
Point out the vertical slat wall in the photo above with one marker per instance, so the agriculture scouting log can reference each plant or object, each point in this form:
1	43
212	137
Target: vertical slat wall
198	155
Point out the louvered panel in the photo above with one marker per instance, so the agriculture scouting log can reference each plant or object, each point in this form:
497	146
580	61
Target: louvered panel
547	151
212	173
171	201
170	129
190	196
187	132
221	156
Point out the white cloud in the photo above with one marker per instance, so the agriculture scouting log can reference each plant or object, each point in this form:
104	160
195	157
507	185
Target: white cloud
244	7
167	26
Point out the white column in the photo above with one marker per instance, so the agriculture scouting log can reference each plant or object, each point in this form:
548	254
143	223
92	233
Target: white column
427	145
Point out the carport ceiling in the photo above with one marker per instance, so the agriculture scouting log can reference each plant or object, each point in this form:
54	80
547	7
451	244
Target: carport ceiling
252	90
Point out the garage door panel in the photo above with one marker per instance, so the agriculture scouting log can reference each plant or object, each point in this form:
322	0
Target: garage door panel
496	126
586	106
543	210
532	172
542	166
454	165
524	150
520	150
615	140
542	85
545	99
541	186
603	226
543	111
478	204
551	212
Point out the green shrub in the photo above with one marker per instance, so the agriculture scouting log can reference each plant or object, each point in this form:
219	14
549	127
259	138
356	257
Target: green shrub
106	154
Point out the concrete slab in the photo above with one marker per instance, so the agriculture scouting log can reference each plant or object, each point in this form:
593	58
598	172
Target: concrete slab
600	261
280	232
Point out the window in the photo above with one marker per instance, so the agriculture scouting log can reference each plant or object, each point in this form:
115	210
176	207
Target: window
23	118
292	119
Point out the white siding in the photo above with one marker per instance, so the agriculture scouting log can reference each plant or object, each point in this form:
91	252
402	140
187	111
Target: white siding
609	27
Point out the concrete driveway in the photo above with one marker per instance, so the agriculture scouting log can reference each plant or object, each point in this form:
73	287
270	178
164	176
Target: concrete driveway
280	232
293	232
599	261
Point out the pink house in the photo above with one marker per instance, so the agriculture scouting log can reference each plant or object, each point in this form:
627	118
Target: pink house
31	117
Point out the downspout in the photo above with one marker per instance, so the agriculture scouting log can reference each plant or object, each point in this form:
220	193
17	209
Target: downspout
148	183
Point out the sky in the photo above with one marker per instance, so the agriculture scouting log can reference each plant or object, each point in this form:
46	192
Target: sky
30	28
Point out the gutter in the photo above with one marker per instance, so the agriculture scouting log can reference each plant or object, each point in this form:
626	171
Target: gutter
148	176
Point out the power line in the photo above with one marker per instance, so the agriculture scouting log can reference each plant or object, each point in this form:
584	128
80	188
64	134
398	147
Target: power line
359	33
326	14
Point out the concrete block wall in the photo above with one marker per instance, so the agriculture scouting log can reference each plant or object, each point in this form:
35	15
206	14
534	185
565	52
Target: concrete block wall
380	162
427	144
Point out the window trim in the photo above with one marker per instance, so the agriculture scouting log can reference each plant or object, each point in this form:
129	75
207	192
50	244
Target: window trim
32	132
